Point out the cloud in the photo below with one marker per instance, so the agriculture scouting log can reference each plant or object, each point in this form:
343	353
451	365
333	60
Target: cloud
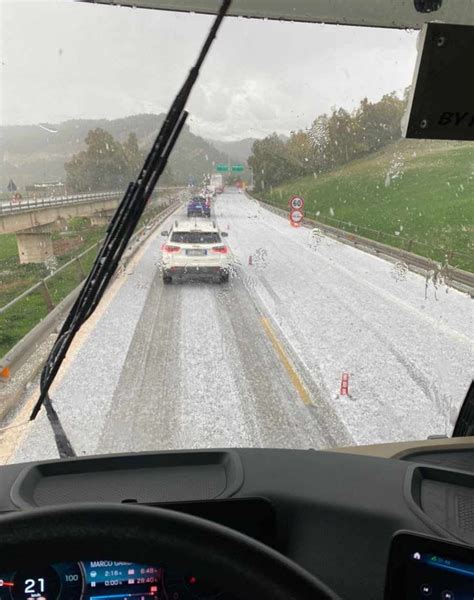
73	60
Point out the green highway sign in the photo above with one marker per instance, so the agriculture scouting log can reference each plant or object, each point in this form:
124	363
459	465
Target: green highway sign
222	168
237	168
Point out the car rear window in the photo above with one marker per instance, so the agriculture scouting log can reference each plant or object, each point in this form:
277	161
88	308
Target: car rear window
195	237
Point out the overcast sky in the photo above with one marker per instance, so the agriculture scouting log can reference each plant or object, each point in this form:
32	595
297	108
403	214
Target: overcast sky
63	60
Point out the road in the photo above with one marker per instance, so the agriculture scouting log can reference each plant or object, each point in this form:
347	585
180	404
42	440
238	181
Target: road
258	361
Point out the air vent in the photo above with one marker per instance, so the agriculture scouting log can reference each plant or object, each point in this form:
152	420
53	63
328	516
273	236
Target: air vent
465	511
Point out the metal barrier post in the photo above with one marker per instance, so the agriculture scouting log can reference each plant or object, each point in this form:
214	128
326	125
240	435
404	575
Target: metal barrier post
46	295
80	268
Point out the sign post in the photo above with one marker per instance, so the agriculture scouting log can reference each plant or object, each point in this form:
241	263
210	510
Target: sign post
296	204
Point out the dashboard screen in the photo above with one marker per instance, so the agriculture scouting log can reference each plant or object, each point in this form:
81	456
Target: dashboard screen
424	568
431	575
105	580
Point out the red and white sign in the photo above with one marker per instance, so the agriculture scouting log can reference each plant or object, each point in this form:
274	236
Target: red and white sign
296	203
345	384
296	216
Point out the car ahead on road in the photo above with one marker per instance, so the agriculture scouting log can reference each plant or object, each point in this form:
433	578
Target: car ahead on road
199	206
195	249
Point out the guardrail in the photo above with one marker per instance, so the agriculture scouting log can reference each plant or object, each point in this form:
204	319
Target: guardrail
42	285
399	241
28	204
39	203
26	346
452	276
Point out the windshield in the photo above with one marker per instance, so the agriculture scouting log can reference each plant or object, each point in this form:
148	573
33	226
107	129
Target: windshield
195	237
338	310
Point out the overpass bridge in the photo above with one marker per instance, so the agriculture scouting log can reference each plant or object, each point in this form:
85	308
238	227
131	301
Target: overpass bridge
34	220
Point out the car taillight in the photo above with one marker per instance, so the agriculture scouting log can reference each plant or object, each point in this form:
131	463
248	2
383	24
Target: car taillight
171	249
220	249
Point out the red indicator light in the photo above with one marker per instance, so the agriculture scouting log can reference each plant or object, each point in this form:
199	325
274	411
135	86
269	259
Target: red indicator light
169	249
154	588
192	580
220	249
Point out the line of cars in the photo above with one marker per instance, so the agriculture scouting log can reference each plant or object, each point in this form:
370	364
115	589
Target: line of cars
195	248
199	205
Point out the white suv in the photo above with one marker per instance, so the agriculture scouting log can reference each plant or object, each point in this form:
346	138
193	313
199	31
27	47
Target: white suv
195	249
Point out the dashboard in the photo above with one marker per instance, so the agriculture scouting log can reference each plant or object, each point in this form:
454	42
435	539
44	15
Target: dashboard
320	509
418	567
105	580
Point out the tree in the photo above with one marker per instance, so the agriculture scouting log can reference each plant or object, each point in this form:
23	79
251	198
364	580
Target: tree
134	156
318	136
344	139
331	141
271	163
380	122
300	152
102	166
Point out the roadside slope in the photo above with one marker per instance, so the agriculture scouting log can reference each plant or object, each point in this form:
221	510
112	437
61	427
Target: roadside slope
423	191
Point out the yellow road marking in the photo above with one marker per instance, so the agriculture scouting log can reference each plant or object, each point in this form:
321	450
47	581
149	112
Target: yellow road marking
295	379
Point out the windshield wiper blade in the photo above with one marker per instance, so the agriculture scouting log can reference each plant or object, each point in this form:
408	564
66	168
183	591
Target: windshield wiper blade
118	235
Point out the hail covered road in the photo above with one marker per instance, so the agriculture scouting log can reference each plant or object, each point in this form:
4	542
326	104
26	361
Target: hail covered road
258	361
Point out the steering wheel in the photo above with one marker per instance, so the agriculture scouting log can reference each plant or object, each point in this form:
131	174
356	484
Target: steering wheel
236	563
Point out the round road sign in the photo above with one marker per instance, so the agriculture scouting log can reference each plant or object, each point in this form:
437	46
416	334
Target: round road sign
296	216
296	203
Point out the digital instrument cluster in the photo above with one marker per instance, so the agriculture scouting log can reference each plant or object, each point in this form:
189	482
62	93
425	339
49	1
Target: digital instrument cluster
104	580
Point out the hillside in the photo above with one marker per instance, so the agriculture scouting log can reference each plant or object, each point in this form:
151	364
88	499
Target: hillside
31	153
239	150
411	190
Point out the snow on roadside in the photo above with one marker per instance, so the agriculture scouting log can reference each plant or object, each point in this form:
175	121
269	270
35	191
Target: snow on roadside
81	398
409	358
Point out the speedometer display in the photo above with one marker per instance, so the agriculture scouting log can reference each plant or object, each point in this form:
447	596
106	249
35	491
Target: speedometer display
105	580
63	580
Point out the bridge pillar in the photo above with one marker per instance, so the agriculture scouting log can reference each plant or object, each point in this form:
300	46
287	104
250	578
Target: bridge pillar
101	218
99	221
34	246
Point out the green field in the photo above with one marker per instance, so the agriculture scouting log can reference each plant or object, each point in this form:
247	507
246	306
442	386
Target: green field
17	321
412	190
16	278
8	247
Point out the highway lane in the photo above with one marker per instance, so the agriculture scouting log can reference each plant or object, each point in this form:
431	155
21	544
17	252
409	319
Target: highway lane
409	357
258	361
201	372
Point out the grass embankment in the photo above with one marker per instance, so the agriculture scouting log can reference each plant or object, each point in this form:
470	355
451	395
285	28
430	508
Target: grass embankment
15	278
412	190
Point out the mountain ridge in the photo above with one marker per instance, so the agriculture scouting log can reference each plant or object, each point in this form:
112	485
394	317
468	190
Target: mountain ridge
33	153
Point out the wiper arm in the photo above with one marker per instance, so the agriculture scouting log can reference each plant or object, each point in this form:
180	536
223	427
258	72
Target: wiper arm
118	235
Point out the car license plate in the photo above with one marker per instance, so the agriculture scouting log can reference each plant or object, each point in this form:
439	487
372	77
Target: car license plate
196	252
